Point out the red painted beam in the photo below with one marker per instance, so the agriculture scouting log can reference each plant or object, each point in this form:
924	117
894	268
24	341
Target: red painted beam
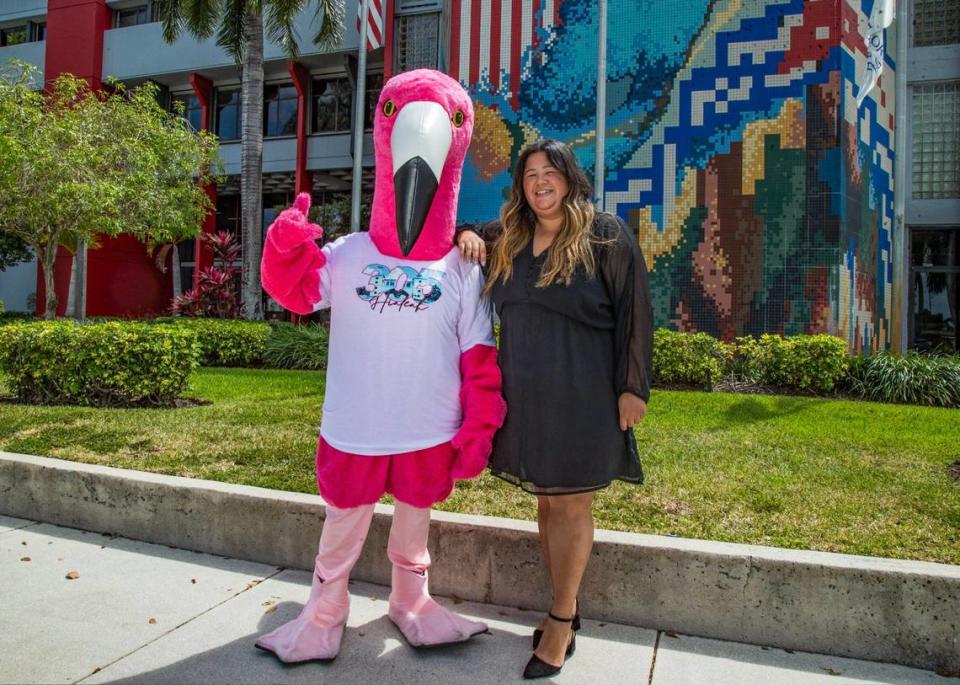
388	40
75	39
203	255
301	81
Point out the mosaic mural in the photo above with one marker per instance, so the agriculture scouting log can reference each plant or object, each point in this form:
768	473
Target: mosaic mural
761	196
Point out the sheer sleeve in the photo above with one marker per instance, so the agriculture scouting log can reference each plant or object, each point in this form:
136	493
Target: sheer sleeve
624	273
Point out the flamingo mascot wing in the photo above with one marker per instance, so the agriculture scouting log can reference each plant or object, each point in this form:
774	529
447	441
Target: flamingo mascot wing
413	388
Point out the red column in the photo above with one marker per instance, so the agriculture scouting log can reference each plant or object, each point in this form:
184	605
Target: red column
75	39
388	40
74	45
304	179
301	80
203	255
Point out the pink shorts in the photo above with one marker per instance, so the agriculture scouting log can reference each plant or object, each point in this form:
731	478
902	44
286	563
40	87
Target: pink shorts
420	479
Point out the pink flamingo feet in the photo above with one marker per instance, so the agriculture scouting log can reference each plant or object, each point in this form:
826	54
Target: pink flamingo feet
423	622
315	634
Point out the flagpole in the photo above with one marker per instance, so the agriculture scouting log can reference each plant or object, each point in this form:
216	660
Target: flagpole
599	171
900	183
358	120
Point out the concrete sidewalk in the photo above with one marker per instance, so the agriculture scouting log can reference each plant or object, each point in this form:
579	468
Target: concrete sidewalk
146	613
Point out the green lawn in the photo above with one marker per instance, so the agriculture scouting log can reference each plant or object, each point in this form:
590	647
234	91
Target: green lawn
832	475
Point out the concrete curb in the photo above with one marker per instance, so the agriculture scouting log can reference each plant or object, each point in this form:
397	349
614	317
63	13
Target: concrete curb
903	612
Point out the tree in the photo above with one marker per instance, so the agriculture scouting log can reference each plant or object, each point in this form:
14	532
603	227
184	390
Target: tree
239	25
77	164
12	251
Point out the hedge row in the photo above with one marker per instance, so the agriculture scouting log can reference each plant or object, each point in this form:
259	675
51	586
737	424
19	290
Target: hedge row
818	364
225	342
105	364
115	362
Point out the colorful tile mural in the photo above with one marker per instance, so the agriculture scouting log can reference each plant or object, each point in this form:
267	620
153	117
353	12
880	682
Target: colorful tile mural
761	197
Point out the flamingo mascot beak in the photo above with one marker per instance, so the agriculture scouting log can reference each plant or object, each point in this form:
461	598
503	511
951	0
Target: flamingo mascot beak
419	144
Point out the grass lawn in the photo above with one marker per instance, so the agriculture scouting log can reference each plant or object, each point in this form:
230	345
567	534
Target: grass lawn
831	475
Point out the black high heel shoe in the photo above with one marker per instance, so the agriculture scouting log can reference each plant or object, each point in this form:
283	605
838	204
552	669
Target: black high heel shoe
538	634
538	668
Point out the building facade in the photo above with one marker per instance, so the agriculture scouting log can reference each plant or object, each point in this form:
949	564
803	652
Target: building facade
764	198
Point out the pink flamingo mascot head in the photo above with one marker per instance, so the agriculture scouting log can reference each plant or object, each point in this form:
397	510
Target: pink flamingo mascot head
421	132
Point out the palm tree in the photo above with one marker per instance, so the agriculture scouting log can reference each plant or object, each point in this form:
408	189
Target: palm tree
239	25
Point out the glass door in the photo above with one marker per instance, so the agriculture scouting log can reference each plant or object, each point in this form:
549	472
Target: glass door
934	295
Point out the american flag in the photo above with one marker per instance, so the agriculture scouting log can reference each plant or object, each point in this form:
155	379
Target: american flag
493	41
374	22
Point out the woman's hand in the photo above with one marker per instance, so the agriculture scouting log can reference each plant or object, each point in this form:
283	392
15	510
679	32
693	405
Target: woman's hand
632	410
472	247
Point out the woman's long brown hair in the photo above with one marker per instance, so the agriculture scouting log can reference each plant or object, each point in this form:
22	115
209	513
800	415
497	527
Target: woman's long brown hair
572	245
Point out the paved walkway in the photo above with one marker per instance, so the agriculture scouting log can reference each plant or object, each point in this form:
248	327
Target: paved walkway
144	613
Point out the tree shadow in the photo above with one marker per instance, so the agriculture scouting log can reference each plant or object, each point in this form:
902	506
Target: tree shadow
750	410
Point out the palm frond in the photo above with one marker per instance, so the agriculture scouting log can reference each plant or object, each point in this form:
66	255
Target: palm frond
330	13
280	16
231	34
171	17
201	17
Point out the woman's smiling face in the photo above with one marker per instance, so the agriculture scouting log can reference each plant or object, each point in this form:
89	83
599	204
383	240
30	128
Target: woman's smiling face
544	186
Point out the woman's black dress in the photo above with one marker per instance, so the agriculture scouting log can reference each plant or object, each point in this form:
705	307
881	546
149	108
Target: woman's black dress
567	353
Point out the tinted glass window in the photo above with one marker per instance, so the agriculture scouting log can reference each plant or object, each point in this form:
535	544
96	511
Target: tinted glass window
228	114
279	110
331	105
130	17
192	111
13	35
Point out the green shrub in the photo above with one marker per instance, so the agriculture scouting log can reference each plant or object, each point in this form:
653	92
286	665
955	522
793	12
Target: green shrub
297	347
808	363
687	359
102	364
929	379
9	317
226	342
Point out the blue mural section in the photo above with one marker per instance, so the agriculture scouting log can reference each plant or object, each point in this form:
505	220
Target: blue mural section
761	196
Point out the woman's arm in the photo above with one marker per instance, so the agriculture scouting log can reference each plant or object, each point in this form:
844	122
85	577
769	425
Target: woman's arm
474	240
624	272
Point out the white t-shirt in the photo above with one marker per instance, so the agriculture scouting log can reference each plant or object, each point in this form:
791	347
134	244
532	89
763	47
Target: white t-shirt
397	329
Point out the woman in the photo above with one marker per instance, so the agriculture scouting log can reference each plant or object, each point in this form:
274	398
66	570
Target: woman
570	288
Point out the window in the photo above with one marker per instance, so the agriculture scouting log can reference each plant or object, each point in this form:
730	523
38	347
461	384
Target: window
38	31
228	215
417	41
131	16
13	35
934	281
374	86
332	99
415	5
935	22
228	113
279	110
186	251
192	111
936	140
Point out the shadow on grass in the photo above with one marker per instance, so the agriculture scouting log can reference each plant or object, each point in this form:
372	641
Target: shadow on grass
41	439
177	403
753	409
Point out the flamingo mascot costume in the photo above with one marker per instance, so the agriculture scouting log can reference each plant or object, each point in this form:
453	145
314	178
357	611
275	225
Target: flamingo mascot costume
413	388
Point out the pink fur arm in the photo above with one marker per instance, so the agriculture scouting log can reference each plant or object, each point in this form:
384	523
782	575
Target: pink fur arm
291	263
483	410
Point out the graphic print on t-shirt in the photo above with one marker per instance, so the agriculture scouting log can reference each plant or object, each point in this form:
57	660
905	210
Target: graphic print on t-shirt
401	287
